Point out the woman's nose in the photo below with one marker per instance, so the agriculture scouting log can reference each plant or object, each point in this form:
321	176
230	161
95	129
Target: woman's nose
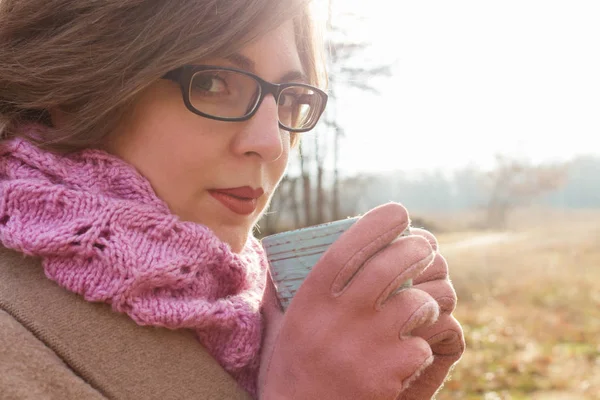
261	134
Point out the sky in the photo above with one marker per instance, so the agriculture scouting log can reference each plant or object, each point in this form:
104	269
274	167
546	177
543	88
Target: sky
472	79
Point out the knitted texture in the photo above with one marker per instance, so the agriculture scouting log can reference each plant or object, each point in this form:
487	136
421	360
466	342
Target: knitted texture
101	232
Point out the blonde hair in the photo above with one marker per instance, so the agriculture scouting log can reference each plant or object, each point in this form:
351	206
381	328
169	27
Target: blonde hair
91	59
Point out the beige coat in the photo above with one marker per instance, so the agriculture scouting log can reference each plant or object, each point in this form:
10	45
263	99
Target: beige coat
55	345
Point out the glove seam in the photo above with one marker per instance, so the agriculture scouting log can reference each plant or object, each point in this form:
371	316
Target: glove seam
352	261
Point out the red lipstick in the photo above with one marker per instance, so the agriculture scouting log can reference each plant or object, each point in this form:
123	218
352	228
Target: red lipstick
240	200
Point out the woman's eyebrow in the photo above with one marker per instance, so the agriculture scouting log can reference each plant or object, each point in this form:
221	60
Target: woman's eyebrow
243	62
294	76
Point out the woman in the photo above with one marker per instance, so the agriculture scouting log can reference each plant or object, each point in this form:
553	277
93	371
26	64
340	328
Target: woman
142	140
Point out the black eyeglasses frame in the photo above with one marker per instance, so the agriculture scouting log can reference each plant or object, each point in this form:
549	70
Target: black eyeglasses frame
184	75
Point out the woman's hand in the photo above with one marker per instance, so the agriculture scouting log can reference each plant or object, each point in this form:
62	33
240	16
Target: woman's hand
347	335
445	336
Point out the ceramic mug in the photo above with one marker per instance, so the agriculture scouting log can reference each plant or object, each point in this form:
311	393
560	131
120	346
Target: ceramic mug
292	254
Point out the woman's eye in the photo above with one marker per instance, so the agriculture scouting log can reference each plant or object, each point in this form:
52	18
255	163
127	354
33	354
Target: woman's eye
211	84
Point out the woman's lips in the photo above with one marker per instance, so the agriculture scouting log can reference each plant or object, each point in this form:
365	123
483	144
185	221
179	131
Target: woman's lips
241	201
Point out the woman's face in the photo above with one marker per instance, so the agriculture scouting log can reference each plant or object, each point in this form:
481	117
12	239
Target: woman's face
190	160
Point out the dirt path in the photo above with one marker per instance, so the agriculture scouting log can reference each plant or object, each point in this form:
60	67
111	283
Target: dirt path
558	396
484	239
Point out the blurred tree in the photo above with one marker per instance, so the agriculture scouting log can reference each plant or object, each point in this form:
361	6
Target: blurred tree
515	182
346	70
319	170
582	189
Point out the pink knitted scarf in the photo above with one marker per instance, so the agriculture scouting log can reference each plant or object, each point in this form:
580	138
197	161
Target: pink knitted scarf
101	232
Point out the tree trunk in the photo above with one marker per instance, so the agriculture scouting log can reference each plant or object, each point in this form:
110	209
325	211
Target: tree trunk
295	207
320	200
320	207
306	192
335	201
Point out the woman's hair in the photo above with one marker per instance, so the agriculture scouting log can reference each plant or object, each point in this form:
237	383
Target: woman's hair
91	58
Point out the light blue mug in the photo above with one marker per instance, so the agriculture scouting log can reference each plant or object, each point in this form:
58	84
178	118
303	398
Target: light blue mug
292	254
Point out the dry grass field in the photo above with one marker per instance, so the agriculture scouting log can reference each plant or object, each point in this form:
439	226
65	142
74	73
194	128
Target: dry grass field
529	302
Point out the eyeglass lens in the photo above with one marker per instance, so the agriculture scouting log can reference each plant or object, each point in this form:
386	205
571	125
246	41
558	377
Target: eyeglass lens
230	94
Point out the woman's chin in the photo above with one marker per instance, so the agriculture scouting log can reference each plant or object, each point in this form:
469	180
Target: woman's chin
235	238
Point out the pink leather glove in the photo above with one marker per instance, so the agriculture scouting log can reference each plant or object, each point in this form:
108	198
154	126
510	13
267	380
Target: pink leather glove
445	336
343	336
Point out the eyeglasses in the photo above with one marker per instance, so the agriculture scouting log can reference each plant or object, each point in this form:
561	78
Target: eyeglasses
229	94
